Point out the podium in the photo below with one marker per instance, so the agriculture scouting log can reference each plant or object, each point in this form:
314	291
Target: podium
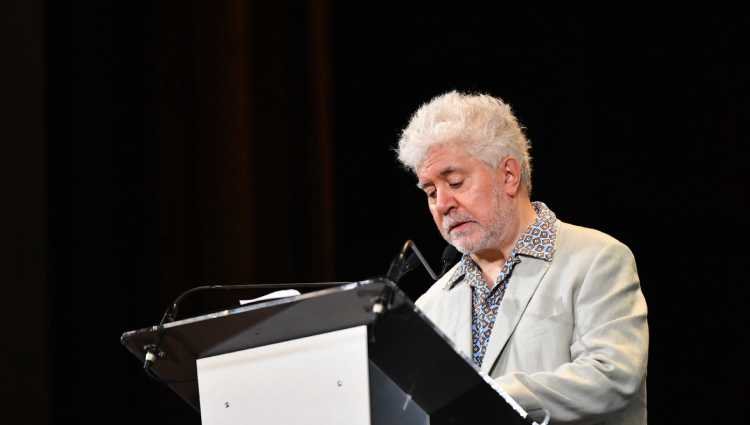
359	353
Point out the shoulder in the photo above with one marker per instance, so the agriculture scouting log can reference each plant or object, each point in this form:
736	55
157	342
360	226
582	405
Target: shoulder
585	242
595	264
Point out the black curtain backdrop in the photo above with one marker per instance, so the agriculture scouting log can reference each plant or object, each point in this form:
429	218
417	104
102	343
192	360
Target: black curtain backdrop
159	146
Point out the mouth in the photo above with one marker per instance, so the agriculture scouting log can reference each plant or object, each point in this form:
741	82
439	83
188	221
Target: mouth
458	226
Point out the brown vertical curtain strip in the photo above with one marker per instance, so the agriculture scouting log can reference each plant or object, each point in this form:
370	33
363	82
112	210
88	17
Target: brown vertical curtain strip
244	128
321	94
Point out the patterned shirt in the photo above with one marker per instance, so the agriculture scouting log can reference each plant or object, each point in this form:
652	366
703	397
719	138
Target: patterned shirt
537	241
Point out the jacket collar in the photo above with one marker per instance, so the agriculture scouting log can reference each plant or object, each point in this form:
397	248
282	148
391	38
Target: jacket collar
538	241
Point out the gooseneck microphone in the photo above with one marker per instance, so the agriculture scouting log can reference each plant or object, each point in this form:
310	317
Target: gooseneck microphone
404	263
170	315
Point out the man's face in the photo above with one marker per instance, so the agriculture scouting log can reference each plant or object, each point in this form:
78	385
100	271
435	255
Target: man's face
465	198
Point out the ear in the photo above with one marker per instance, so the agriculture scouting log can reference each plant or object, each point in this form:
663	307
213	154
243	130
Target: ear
510	174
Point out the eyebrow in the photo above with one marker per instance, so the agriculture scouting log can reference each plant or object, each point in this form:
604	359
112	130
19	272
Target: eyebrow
448	170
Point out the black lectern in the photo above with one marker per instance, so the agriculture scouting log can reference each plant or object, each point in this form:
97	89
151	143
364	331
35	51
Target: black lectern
360	353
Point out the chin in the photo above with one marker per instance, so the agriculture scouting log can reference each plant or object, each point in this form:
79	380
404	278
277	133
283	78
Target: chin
468	245
464	247
460	248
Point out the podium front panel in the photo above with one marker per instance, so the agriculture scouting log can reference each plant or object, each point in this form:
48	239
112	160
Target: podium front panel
319	379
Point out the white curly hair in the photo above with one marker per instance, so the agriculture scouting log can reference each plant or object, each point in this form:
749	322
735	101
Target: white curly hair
483	124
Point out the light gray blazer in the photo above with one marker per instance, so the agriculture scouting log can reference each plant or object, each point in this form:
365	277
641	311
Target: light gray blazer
571	334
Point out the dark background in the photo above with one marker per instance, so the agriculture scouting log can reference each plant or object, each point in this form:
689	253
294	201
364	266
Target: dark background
152	147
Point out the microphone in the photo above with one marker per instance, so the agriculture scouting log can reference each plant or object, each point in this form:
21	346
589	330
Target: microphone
449	258
170	315
404	263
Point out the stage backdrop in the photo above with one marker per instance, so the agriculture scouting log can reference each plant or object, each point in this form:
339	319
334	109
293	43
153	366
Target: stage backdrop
171	144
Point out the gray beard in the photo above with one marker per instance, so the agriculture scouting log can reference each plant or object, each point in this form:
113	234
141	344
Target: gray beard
492	233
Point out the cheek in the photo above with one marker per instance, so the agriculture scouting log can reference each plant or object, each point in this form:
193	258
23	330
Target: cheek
479	207
437	218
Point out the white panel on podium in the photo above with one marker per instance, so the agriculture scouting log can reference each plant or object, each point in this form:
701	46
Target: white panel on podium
319	379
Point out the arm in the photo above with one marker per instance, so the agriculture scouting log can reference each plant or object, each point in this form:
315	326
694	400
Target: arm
609	350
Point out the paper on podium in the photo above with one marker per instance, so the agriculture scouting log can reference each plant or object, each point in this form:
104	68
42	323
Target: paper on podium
273	295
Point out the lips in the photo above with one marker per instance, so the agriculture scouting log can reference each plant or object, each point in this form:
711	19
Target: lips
456	221
457	225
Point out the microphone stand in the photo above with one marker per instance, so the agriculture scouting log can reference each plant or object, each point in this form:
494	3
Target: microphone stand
403	264
153	351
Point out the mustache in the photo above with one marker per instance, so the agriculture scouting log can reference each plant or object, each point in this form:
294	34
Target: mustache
453	220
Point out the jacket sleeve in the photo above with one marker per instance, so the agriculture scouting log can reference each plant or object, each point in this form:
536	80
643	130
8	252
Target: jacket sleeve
609	350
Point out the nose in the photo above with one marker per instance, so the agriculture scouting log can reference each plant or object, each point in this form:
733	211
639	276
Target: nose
445	201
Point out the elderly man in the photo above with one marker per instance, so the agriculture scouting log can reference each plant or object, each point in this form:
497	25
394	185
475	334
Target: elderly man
552	311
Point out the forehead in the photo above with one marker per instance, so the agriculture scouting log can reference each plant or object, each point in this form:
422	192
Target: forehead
444	159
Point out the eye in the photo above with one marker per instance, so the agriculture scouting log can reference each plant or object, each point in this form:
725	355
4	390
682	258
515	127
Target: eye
456	185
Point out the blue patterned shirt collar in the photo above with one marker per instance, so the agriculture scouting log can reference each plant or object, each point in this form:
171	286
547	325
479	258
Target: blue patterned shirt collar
537	241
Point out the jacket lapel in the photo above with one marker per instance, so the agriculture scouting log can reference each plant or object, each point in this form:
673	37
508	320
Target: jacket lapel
521	288
458	325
